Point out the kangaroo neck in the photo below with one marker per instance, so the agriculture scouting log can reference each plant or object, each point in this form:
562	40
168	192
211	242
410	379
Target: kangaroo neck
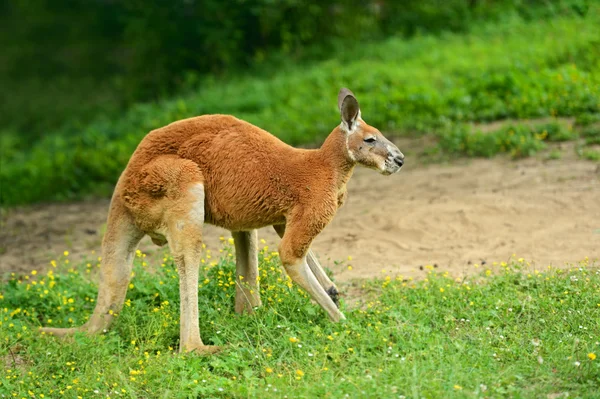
334	153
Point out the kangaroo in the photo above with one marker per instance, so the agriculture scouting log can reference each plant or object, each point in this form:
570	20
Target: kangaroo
221	170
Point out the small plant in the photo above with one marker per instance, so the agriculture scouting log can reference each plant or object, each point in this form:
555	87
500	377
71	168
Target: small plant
591	134
555	132
554	155
587	118
591	155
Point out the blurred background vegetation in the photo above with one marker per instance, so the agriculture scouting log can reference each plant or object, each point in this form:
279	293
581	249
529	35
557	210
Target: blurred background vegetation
83	81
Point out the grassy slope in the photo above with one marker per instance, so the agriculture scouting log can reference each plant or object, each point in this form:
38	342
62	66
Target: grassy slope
515	69
503	333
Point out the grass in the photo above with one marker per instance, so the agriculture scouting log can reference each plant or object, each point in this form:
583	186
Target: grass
510	69
519	140
508	331
591	155
591	134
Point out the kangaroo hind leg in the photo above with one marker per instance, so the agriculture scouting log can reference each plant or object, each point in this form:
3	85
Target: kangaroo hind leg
184	219
118	251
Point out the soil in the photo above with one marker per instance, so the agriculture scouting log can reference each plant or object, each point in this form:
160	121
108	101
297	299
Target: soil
450	215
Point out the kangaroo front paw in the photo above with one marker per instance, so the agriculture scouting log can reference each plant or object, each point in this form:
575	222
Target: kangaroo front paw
334	294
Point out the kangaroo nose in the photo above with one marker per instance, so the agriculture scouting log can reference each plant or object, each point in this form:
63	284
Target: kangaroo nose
399	160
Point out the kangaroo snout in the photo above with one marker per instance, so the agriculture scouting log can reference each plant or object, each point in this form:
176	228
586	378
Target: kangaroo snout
399	160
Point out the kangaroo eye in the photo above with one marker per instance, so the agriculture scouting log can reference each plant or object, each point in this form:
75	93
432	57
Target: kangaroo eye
369	140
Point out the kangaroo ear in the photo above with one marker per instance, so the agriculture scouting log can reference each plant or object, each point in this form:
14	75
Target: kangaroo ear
348	106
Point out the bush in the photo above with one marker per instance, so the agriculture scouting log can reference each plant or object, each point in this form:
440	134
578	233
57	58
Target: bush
100	56
515	69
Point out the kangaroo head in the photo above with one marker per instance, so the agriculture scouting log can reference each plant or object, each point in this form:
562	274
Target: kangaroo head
365	144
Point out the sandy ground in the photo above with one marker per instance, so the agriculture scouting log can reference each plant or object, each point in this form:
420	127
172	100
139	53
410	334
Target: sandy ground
452	215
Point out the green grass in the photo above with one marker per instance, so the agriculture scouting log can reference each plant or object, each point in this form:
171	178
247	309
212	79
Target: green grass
591	133
591	155
510	331
428	84
519	140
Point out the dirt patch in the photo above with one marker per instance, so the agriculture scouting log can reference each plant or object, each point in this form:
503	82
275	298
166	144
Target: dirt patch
450	215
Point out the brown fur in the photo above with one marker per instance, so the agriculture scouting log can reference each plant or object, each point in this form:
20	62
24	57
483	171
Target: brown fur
248	179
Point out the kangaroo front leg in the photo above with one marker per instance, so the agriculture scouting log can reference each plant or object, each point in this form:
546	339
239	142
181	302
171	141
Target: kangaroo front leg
247	291
317	269
293	254
323	278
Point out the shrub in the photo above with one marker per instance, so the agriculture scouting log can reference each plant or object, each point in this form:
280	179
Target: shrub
513	69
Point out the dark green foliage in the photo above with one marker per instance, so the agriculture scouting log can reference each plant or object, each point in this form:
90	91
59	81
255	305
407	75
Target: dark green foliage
64	62
586	119
428	84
